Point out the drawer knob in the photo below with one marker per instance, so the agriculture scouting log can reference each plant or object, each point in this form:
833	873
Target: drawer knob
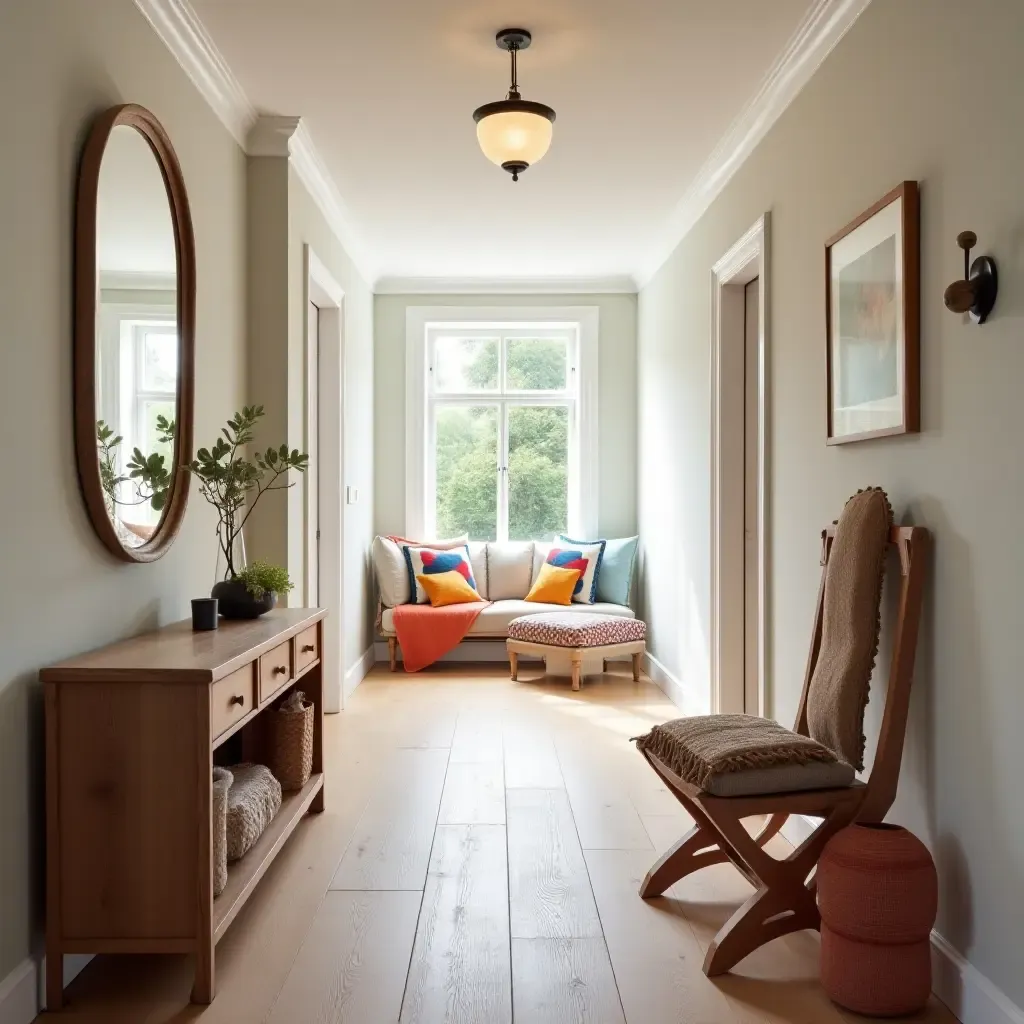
237	699
308	648
279	670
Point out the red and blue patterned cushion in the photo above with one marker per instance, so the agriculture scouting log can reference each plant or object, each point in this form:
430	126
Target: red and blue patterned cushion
428	561
586	558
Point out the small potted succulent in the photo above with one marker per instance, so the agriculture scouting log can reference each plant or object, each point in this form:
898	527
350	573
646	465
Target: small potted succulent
233	485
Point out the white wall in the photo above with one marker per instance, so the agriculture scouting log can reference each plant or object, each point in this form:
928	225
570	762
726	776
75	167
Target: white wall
617	401
60	65
913	91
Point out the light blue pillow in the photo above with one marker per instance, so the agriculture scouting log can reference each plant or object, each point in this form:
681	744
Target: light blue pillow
615	574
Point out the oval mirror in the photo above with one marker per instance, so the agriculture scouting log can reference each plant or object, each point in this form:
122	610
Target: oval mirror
134	334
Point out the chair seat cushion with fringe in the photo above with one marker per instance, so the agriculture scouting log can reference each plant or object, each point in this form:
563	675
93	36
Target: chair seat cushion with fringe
741	755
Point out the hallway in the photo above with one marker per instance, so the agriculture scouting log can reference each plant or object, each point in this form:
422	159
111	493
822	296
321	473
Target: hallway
478	862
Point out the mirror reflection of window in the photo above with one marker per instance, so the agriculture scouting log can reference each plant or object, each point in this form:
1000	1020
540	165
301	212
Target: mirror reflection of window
137	357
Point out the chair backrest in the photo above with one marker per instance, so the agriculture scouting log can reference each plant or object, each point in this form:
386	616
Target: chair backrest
912	544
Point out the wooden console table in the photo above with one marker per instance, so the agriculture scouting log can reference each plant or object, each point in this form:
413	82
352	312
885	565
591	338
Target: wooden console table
132	734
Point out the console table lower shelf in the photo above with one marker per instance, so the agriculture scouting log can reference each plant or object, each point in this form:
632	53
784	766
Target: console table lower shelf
132	734
245	873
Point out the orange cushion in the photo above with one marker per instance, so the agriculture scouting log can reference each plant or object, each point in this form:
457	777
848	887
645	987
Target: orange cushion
447	588
554	585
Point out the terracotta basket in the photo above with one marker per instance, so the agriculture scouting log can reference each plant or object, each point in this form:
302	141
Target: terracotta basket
878	894
291	744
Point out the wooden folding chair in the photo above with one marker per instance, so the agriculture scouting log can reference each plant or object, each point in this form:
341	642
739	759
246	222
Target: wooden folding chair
785	897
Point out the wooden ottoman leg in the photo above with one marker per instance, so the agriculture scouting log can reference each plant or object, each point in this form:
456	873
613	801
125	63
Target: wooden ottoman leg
636	667
513	661
577	667
392	654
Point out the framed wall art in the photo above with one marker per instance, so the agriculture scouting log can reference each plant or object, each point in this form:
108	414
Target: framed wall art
872	318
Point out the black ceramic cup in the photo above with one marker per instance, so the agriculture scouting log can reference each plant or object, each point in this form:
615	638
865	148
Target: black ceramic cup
204	613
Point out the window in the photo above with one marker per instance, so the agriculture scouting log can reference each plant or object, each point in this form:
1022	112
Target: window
501	430
138	366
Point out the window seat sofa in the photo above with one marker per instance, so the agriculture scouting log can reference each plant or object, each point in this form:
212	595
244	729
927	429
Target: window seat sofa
504	573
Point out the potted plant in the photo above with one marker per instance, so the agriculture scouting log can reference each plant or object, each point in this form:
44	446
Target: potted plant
233	485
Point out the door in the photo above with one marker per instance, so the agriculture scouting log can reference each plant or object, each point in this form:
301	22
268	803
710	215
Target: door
751	559
313	449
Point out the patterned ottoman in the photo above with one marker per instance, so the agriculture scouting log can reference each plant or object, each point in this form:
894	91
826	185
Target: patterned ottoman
552	635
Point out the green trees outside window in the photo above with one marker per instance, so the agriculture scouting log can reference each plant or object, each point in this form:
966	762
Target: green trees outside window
468	473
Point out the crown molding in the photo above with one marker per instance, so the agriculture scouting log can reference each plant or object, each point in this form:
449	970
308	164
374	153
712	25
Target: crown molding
178	25
271	135
506	286
181	31
824	24
313	173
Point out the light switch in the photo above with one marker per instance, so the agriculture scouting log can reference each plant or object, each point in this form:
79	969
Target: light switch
352	495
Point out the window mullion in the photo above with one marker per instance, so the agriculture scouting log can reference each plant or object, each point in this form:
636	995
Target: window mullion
503	472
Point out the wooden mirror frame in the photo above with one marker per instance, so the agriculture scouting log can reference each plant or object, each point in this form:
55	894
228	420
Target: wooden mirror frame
84	373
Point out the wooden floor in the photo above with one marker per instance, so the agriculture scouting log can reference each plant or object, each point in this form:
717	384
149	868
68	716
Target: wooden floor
478	863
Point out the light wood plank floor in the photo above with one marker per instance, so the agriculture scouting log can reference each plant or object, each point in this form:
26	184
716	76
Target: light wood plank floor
478	863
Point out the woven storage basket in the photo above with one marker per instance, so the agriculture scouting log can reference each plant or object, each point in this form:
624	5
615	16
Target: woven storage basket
253	800
222	780
291	746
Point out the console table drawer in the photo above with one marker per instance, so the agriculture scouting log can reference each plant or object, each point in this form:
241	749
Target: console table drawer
307	648
231	699
275	670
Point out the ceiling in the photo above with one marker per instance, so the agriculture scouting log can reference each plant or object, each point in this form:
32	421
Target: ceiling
643	92
135	234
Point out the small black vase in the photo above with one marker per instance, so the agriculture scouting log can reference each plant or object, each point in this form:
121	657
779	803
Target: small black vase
235	601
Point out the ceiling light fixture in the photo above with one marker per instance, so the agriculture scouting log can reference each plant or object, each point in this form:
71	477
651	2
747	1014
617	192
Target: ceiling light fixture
513	132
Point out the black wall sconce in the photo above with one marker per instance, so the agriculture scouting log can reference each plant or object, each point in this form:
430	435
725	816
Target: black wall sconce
976	293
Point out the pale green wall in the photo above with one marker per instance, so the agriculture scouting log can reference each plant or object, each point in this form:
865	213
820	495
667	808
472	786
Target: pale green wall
61	64
913	91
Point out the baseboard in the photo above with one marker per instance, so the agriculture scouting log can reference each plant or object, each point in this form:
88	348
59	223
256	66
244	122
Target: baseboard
23	991
667	683
357	673
19	994
798	827
966	991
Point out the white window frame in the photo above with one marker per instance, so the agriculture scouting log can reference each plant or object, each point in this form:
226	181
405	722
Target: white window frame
422	324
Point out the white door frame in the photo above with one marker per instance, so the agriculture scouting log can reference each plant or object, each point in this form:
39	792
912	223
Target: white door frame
744	261
325	428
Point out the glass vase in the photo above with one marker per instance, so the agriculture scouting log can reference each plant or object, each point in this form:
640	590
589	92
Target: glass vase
229	562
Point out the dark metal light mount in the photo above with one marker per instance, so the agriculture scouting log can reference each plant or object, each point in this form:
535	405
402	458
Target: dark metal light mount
976	292
526	142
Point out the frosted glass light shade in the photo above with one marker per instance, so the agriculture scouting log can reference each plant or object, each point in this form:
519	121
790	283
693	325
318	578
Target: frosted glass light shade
514	136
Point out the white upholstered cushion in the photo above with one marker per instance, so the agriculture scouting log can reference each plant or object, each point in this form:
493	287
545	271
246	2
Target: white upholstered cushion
393	573
509	570
494	619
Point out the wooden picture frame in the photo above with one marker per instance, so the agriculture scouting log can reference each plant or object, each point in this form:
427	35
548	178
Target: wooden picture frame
872	321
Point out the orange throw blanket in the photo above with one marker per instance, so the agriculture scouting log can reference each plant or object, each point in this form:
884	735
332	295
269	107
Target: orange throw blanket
426	633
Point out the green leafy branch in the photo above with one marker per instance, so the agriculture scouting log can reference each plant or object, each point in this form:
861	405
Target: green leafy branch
148	474
227	479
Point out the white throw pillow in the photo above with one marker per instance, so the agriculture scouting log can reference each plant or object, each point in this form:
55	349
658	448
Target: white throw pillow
540	553
509	570
478	560
393	573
